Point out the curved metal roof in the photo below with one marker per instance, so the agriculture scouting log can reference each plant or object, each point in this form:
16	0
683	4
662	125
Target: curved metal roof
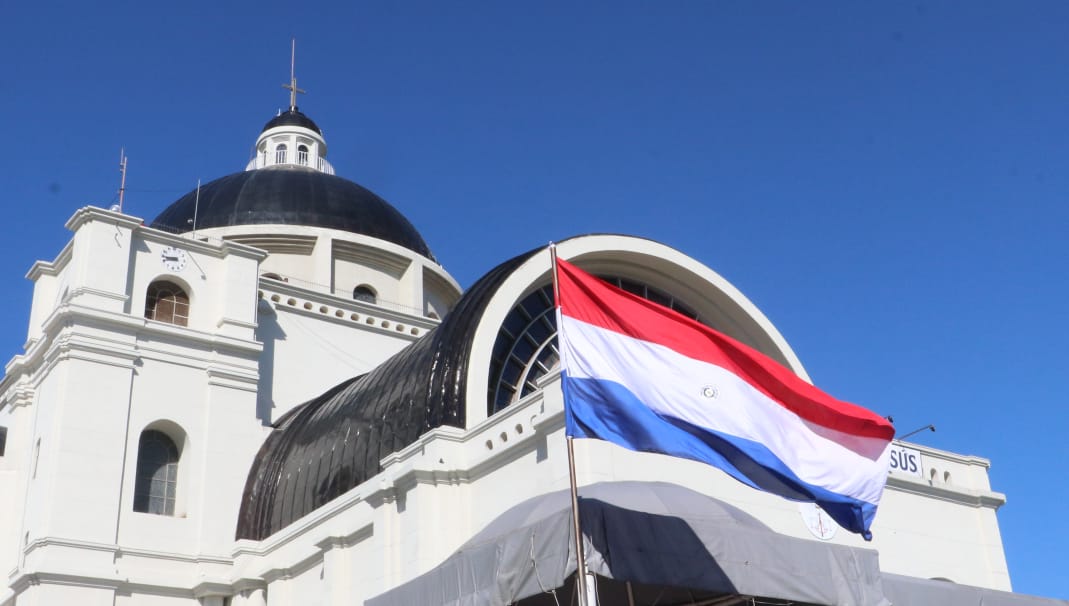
334	443
292	117
291	196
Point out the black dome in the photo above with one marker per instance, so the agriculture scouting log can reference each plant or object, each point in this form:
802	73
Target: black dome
292	117
292	196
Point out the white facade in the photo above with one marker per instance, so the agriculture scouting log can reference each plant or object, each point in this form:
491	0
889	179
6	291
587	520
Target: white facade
272	323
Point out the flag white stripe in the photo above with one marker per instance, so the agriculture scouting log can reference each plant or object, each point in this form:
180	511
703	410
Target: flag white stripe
674	385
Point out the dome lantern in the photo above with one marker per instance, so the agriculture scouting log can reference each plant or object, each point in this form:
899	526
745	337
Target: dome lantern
290	183
291	138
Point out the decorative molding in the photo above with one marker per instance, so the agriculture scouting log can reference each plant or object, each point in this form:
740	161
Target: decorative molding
434	277
949	493
347	540
316	519
54	268
225	321
343	311
88	214
248	584
26	580
287	290
64	339
96	292
369	256
289	572
211	589
20	394
276	244
225	377
944	455
119	551
93	349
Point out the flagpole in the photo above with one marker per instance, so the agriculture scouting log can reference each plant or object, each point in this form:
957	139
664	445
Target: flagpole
580	558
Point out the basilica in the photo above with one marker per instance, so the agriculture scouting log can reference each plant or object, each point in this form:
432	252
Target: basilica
273	393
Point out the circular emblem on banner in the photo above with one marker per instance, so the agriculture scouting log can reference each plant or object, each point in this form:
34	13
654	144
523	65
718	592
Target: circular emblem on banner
709	391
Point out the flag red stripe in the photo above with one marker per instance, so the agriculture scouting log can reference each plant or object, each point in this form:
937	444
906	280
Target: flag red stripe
591	300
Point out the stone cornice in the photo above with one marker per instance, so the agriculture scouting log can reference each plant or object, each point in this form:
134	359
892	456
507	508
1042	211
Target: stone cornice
209	246
953	494
946	455
92	213
371	256
42	268
29	579
302	295
65	337
119	551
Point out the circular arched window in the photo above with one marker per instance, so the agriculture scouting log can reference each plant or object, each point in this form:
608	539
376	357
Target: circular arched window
526	344
365	293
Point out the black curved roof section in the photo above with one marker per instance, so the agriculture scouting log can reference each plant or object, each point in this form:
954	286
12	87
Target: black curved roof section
292	117
291	196
334	443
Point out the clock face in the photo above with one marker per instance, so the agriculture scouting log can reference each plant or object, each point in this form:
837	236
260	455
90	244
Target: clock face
174	259
818	521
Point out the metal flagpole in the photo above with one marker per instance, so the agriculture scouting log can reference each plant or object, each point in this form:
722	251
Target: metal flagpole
580	558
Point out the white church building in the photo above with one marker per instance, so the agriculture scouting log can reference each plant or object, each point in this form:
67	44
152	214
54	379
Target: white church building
273	394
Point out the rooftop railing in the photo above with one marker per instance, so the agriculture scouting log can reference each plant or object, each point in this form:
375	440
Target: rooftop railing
299	158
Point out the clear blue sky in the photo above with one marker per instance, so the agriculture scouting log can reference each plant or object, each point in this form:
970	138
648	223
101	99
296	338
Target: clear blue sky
886	182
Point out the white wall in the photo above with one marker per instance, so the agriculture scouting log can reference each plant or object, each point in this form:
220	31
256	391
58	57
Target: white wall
98	374
440	491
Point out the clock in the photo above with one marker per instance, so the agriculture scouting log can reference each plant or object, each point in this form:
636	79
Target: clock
174	259
818	521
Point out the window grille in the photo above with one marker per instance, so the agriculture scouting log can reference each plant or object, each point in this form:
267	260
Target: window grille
157	474
167	302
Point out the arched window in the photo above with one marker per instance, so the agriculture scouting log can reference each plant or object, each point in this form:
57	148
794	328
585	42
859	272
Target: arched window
365	293
280	153
167	302
526	345
157	473
302	155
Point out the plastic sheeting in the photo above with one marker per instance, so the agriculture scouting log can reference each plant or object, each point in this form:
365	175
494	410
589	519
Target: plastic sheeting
912	591
644	532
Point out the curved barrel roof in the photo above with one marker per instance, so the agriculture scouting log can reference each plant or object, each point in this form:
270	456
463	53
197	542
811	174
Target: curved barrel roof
333	443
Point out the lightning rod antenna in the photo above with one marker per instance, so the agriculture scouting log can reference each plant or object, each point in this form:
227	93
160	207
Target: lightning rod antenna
122	170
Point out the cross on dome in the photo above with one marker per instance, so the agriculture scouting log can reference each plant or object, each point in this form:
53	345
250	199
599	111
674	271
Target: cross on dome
292	86
291	139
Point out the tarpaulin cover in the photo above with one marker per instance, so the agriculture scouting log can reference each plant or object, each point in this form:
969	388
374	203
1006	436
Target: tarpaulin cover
912	591
644	532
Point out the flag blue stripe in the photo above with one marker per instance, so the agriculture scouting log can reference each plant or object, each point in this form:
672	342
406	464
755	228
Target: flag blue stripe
608	411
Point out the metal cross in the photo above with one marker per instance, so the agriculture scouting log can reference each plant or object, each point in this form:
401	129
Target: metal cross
292	86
